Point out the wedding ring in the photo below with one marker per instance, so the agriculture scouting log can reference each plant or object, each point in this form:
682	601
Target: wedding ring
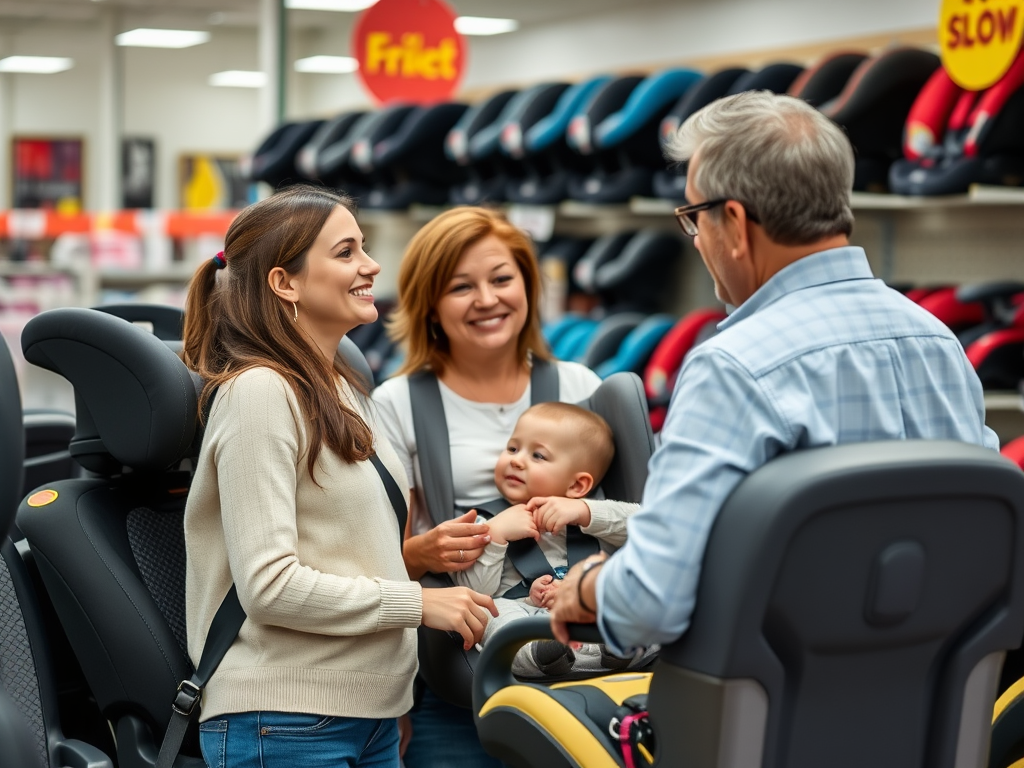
462	556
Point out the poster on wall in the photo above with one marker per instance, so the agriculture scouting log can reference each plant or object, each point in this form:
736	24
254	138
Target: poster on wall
209	182
138	172
47	173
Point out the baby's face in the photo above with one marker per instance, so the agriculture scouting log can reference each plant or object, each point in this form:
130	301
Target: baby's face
538	461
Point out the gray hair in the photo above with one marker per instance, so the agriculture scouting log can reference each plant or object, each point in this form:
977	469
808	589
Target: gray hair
790	166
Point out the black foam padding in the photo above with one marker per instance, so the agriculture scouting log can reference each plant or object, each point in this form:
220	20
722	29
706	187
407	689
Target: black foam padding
158	545
135	399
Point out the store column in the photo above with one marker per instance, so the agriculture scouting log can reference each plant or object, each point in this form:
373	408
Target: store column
106	151
272	55
6	124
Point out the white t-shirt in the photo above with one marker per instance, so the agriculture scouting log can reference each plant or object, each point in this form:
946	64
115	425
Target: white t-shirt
477	432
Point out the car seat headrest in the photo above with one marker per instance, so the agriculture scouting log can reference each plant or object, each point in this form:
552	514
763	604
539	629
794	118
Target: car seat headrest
620	401
826	79
135	401
355	358
607	99
331	132
12	437
274	162
649	99
708	89
552	127
480	120
168	323
374	127
421	127
774	77
602	250
523	112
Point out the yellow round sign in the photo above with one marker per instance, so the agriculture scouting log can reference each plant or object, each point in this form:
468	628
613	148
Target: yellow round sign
980	39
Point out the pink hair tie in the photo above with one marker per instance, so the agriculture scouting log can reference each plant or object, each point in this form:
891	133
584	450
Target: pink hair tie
219	260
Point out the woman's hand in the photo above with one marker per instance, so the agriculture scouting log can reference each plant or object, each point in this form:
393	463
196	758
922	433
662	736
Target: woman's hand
553	513
454	545
458	609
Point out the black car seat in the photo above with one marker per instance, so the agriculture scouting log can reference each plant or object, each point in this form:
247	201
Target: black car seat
274	159
307	160
445	667
533	134
873	109
475	144
670	183
335	164
631	270
854	607
407	165
826	79
110	548
776	77
619	131
30	727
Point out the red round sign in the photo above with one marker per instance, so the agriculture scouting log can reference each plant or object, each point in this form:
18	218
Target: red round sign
408	50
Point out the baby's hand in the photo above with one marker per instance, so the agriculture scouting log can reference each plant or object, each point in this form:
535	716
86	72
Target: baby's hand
548	598
539	589
513	524
553	513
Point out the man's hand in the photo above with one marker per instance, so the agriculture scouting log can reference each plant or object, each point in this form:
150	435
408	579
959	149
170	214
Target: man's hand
566	608
542	591
553	513
513	524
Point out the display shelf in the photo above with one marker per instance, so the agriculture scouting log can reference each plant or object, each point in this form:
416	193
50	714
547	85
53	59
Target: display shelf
1008	400
142	277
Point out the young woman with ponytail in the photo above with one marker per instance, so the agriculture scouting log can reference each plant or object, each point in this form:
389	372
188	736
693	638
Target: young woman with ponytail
287	506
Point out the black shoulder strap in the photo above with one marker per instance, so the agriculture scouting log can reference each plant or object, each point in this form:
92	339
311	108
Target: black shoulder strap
435	454
430	428
225	627
543	382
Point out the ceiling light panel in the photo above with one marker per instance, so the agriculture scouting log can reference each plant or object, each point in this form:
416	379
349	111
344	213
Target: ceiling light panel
484	25
329	5
162	38
237	78
36	65
328	65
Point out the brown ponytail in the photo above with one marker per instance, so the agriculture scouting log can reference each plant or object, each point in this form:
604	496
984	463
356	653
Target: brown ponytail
234	322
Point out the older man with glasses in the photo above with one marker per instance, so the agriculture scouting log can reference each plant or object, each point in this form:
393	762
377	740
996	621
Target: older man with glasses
815	352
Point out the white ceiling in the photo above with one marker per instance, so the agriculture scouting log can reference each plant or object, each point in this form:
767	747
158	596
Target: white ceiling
211	13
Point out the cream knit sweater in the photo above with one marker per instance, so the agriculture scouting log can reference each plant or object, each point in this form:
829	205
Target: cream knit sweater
330	609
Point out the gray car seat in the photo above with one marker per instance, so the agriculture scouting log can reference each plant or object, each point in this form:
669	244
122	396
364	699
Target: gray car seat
30	729
854	608
445	667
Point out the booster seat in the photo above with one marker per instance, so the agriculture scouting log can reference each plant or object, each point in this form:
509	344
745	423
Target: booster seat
826	79
854	607
307	161
336	162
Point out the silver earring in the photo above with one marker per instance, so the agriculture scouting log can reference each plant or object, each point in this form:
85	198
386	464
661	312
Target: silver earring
433	331
295	306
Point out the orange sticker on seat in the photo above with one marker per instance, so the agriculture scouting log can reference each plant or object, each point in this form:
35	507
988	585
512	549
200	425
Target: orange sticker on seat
42	498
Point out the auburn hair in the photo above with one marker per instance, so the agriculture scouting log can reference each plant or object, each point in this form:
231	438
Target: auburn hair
427	267
234	321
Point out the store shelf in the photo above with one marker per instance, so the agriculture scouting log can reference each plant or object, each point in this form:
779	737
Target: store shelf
130	278
1004	401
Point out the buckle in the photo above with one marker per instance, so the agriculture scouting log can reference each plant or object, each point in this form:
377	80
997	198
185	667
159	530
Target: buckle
186	698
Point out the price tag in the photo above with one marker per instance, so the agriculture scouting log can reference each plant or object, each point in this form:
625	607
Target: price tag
27	223
537	221
980	39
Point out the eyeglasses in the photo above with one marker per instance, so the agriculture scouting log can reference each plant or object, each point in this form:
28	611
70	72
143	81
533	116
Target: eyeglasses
686	215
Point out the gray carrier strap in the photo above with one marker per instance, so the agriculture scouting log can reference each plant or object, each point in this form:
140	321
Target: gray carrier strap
430	428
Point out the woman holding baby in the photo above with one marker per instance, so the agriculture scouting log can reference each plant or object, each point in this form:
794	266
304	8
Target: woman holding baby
468	295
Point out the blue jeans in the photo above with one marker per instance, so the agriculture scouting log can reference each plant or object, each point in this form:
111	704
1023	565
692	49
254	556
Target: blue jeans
444	736
289	740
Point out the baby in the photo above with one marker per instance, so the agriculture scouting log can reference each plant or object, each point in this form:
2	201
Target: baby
556	455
